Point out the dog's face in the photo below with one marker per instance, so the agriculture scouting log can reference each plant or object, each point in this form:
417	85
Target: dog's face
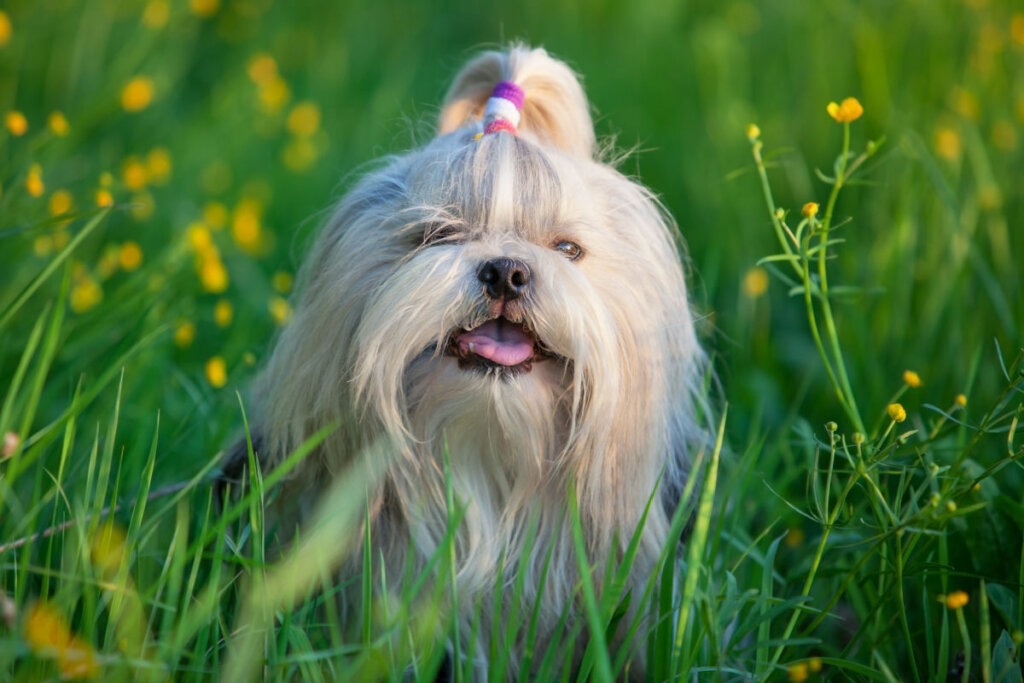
493	271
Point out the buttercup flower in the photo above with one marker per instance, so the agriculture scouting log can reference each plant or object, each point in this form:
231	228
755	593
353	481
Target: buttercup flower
957	599
848	110
60	202
810	209
137	94
5	28
216	372
798	672
911	379
961	400
34	181
223	313
16	123
753	132
896	412
184	334
130	255
58	123
755	282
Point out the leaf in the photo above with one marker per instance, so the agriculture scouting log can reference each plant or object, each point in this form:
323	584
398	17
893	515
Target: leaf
1005	661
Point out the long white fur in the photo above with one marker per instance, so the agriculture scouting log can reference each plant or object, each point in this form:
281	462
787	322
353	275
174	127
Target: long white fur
365	344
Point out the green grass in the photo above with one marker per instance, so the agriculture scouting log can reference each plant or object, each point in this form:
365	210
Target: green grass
809	544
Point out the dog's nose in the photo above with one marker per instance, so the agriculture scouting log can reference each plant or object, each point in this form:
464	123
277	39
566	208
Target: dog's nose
504	278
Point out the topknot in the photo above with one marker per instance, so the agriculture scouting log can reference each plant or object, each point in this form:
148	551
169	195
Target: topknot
555	111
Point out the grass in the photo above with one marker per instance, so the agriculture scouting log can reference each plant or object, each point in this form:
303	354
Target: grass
829	540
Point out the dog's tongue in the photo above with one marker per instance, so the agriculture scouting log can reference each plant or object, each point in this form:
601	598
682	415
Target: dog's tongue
498	341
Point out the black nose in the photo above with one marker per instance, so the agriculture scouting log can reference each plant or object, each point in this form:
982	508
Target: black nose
504	278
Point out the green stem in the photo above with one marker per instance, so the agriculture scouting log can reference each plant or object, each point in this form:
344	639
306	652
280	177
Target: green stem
815	564
770	201
903	607
850	402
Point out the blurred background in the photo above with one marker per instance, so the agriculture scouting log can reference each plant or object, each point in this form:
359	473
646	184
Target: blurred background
223	130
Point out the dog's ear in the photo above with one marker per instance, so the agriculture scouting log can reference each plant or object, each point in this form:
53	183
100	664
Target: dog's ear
555	109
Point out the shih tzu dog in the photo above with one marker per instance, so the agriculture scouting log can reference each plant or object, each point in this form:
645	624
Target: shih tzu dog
502	298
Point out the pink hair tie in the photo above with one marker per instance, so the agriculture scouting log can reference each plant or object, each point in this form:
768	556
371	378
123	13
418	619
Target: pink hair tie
503	107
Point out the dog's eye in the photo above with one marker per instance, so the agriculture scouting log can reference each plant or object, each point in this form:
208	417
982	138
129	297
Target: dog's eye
569	250
439	232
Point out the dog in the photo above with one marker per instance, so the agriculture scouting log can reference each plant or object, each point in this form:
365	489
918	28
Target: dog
509	315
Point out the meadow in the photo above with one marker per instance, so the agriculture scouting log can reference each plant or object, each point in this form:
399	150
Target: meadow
163	164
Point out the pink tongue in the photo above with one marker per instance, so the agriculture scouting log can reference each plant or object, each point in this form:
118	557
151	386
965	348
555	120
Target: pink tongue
498	341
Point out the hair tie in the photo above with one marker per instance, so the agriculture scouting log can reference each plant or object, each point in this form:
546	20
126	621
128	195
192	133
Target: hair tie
503	107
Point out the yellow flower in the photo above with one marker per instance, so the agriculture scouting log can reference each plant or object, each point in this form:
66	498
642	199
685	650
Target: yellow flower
304	119
48	634
104	198
849	110
198	237
262	68
274	94
223	313
1004	135
956	599
156	14
133	173
11	443
107	548
58	123
279	309
798	672
42	245
1017	28
753	132
814	664
16	123
204	8
282	281
85	294
951	506
184	334
130	255
60	203
5	28
755	282
809	210
137	94
911	379
143	206
158	165
213	275
216	372
245	225
948	143
299	155
46	629
896	412
109	261
961	400
215	215
34	181
78	660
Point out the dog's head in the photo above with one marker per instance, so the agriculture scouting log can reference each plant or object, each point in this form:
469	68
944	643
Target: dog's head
511	285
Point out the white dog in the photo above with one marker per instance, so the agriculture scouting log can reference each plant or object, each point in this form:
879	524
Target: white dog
503	294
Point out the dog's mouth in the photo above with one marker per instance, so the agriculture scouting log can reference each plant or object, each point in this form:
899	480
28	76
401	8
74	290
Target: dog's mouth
498	344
